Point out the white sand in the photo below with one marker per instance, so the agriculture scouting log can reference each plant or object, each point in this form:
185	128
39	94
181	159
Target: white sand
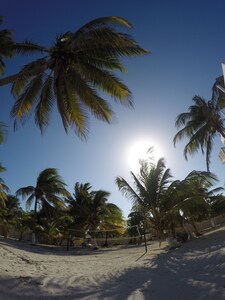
194	271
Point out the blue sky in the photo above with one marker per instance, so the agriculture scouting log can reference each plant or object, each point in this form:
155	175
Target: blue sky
186	40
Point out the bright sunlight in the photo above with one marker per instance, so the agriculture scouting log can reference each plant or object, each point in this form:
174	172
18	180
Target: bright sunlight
139	150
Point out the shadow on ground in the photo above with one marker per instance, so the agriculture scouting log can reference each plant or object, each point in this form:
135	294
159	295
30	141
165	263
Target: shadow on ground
194	271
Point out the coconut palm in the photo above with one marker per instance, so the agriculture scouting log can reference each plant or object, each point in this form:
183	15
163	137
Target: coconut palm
192	196
217	204
74	69
77	204
201	124
148	192
49	190
9	214
92	211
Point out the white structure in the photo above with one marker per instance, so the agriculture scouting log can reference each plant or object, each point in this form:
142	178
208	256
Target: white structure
222	88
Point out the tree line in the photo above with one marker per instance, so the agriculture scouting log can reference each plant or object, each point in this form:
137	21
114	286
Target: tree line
160	205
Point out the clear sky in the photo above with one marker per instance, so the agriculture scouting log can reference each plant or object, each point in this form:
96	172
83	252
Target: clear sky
186	40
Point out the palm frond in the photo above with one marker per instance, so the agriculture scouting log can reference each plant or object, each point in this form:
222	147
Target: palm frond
127	190
28	47
107	82
99	22
29	201
76	111
45	104
26	100
25	191
3	132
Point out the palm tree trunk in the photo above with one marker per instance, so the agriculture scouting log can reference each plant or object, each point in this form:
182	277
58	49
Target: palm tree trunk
146	247
33	238
161	235
106	239
95	242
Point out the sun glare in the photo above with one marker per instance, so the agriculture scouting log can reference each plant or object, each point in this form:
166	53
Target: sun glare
139	150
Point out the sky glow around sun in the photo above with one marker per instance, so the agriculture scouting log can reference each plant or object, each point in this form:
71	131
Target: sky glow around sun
139	150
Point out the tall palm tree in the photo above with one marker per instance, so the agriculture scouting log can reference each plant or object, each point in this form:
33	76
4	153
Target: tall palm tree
148	191
49	190
74	69
201	124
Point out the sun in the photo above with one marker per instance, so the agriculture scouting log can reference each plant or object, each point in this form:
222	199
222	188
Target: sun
139	150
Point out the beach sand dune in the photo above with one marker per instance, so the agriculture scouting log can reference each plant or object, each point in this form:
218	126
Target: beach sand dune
196	270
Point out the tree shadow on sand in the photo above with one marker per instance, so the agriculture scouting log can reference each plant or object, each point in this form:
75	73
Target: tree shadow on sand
28	288
194	271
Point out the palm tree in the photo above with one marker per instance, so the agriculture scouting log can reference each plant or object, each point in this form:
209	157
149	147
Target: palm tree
203	122
9	214
48	192
191	195
92	211
71	73
77	205
148	192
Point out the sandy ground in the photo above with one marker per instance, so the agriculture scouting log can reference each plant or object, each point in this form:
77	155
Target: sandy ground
196	270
